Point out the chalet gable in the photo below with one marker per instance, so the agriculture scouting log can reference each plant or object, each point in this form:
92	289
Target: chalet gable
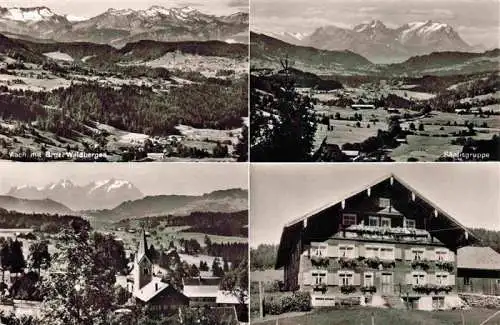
389	195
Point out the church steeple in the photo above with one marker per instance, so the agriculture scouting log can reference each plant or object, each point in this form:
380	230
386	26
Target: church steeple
143	266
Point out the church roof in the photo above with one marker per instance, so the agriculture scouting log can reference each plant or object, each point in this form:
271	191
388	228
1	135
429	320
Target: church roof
142	250
150	290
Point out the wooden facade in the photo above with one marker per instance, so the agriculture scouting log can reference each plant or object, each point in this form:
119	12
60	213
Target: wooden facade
381	240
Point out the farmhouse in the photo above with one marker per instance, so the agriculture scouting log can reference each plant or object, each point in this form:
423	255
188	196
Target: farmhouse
385	242
362	106
478	270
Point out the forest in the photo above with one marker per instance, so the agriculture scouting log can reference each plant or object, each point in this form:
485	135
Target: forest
46	223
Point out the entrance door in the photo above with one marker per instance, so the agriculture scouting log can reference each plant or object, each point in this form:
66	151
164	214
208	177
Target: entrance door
387	283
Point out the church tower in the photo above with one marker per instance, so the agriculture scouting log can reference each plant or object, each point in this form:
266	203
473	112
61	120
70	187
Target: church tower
143	266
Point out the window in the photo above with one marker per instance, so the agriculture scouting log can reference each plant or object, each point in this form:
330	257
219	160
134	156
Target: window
319	277
345	279
467	281
418	278
410	223
368	279
373	221
442	279
387	253
349	219
346	251
384	202
437	302
441	255
319	250
417	254
385	222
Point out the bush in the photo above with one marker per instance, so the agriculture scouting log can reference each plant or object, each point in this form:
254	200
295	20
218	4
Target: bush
297	301
346	289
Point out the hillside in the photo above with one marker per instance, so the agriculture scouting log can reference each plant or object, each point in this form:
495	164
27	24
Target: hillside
45	206
219	201
267	51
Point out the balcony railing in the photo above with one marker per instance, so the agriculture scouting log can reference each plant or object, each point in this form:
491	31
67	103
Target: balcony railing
388	233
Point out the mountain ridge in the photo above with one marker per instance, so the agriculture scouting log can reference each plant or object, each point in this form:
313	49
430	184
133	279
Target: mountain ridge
118	27
382	44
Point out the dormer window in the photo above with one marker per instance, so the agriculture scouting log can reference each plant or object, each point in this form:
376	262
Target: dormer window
410	223
319	250
385	222
384	202
348	219
373	221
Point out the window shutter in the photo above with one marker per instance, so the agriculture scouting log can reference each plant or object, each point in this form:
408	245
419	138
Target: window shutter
332	251
408	255
361	250
409	278
451	279
431	279
398	253
355	252
357	279
307	278
331	279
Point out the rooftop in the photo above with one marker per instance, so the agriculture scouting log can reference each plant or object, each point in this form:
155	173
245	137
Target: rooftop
484	258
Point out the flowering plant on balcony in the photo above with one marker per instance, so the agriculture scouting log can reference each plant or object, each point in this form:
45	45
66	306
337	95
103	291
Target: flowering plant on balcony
320	261
370	289
372	262
388	264
422	264
425	288
347	288
445	288
445	265
320	287
348	263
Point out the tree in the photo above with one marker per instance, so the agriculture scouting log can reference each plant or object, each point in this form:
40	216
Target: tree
39	256
79	286
412	126
217	271
4	258
17	261
241	149
285	133
421	127
236	282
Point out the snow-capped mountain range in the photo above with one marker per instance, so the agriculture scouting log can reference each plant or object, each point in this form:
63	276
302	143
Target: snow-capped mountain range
120	26
103	194
382	44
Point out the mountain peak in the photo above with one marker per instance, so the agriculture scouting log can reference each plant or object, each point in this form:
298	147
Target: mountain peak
27	14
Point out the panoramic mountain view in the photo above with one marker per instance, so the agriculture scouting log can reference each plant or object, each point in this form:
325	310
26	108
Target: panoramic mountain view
165	82
130	250
355	81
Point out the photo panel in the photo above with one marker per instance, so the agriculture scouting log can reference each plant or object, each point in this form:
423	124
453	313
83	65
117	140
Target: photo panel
372	243
124	243
120	81
374	81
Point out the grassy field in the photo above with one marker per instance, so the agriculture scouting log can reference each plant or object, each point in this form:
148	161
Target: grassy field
362	316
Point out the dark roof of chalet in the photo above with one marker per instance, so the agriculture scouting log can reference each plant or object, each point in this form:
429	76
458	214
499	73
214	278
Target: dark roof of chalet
290	231
483	258
213	281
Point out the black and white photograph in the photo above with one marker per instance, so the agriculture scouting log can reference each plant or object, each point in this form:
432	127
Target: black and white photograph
107	80
123	244
351	244
374	80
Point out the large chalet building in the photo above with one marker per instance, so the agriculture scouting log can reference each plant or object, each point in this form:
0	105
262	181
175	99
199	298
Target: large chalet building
384	244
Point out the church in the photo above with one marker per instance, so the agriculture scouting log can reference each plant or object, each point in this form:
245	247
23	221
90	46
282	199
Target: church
151	290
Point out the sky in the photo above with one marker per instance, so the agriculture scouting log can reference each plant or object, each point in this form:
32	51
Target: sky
477	21
91	8
469	192
150	178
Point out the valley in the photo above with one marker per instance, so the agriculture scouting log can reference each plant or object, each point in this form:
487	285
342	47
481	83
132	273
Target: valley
152	99
442	106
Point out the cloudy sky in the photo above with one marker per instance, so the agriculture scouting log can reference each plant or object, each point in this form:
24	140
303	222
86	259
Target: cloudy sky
282	193
477	21
150	178
90	8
